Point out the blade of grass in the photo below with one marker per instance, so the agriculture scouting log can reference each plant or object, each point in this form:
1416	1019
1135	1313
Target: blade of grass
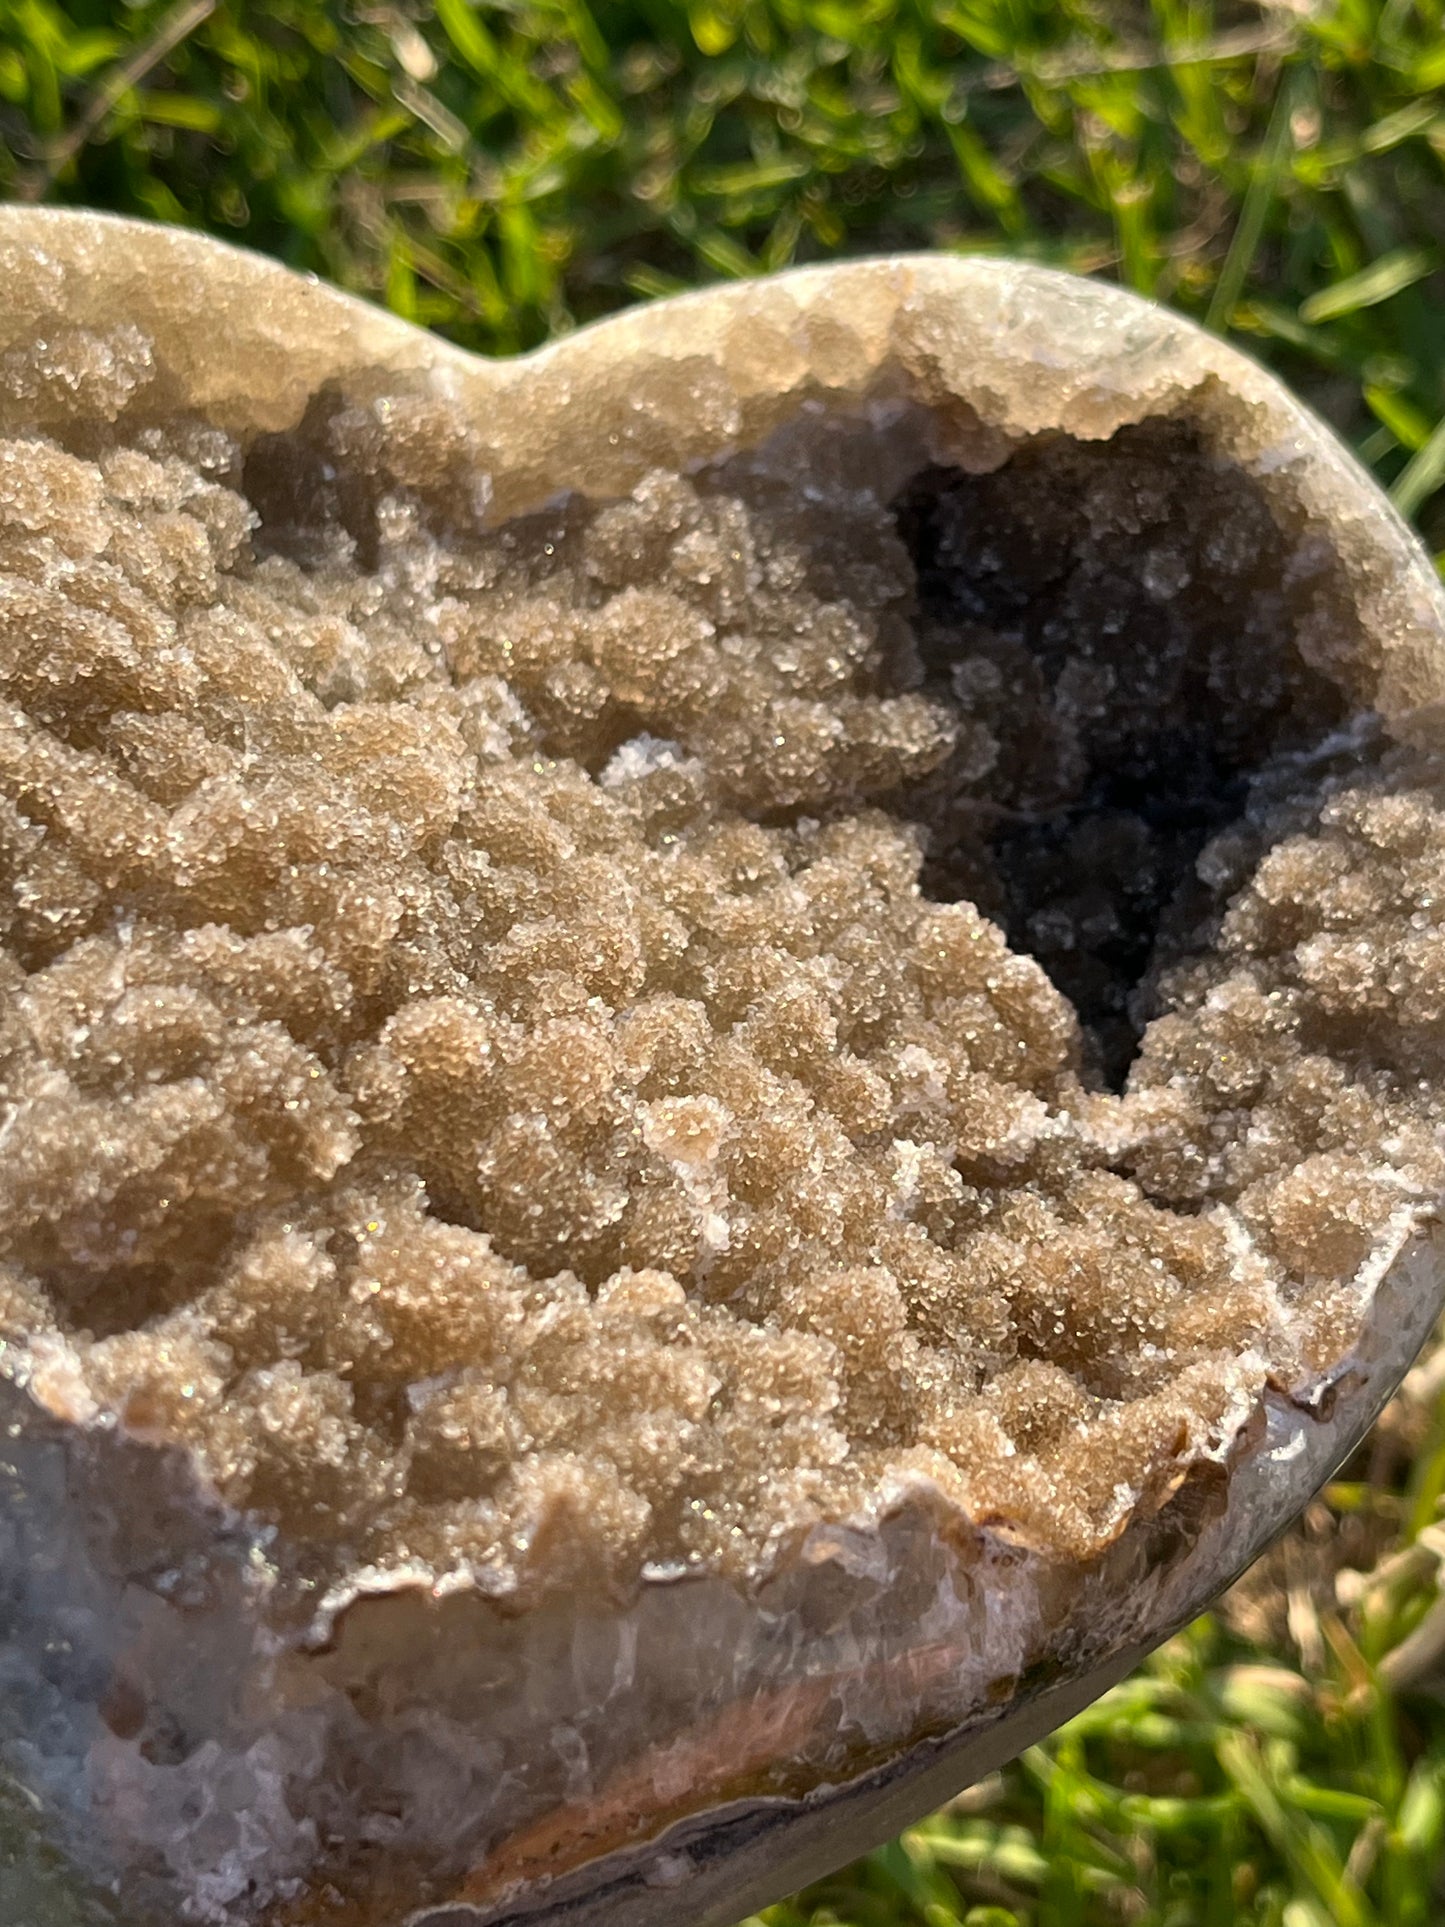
1302	1842
1422	476
1264	186
1389	275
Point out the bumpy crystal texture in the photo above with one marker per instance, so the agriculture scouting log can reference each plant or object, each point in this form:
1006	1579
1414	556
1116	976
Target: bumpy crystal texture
723	1057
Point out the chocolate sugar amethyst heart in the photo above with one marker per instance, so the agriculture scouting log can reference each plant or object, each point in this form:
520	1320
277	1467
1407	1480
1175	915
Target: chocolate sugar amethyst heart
723	1060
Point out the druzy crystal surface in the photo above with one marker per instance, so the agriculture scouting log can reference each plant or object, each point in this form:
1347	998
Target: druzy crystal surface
722	1054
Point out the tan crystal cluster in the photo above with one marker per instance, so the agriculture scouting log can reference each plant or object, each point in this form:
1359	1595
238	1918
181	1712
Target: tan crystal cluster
480	1064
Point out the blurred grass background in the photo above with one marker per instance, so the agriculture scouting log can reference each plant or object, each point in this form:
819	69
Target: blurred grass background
506	169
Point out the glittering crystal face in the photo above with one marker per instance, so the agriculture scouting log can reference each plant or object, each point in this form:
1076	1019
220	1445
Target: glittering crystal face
561	1040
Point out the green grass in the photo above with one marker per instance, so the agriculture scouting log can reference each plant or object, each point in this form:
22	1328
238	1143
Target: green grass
502	172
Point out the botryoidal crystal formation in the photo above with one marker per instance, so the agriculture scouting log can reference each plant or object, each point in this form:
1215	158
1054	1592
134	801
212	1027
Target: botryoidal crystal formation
561	1046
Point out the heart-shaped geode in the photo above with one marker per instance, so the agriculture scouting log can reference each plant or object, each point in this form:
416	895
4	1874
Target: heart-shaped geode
723	1060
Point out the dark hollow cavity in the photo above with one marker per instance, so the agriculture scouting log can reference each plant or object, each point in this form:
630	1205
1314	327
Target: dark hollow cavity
1114	618
303	488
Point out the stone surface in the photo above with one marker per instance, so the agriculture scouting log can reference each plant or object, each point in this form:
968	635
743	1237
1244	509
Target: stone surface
721	1051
